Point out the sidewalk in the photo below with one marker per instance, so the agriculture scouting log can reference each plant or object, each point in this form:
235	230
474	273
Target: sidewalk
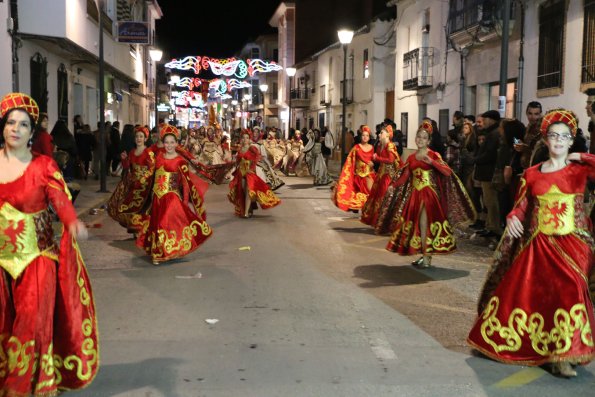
89	197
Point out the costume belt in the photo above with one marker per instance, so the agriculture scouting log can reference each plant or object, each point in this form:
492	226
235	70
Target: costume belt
140	172
24	237
362	169
421	178
166	182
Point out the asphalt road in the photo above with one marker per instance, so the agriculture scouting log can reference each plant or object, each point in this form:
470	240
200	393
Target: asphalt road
303	301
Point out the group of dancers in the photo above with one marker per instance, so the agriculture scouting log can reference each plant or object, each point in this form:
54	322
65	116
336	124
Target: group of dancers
535	307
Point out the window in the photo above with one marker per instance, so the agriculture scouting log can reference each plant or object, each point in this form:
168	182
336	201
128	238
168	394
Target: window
39	81
322	94
405	127
62	93
444	121
552	16
366	65
465	13
588	67
255	53
275	91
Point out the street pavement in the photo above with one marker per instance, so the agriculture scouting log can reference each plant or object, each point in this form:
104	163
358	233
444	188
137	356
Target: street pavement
300	300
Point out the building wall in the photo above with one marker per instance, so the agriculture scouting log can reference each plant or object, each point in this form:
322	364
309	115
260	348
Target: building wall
5	45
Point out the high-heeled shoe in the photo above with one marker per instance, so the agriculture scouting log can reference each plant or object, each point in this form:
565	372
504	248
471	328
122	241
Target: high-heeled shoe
563	369
418	262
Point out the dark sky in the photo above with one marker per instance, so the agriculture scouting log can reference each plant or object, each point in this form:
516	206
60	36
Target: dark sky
215	28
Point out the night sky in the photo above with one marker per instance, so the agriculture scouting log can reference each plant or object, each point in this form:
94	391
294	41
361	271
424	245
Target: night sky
213	28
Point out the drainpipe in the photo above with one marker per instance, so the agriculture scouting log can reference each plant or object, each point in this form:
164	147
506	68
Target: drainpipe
462	82
13	27
519	96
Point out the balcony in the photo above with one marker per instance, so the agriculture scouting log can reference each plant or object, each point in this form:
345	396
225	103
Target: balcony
273	100
417	69
474	20
349	93
300	98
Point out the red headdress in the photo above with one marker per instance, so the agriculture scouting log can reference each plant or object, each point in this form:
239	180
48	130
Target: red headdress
559	116
427	126
365	128
18	100
142	129
389	129
169	130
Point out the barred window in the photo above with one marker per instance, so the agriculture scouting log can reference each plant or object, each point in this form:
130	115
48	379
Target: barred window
39	81
62	92
552	17
588	67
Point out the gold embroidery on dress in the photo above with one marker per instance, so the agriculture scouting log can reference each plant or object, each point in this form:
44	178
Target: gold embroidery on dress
244	166
566	323
421	178
362	169
166	182
556	212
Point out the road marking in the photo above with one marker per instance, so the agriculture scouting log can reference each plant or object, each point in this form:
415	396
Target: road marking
520	378
380	346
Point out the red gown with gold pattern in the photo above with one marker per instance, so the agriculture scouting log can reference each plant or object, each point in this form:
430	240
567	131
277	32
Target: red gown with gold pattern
390	161
48	330
435	188
128	200
258	190
535	306
176	224
351	191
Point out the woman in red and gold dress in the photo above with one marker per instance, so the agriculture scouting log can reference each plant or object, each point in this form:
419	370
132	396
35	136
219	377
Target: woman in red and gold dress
535	306
128	200
246	189
390	162
48	330
429	200
357	176
176	224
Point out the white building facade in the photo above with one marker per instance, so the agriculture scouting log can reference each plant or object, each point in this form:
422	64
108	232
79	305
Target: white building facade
58	59
440	71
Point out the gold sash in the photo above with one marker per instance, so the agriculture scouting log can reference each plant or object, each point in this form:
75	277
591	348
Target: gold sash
166	182
362	169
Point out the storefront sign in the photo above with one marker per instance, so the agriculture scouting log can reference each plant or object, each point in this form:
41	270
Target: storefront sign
133	32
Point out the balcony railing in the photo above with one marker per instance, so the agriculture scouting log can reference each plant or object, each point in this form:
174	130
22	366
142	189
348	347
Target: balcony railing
417	67
300	97
348	92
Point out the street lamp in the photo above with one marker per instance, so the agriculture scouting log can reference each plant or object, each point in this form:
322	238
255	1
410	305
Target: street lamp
156	55
345	37
102	132
248	99
290	72
263	88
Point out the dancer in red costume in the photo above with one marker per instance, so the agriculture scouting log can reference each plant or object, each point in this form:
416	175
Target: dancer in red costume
246	189
390	162
48	330
535	306
176	224
427	200
130	196
357	176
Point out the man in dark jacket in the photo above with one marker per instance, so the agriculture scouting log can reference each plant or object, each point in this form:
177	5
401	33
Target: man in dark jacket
114	149
485	163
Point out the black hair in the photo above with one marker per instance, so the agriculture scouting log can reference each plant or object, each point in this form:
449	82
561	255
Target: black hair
534	105
513	128
470	117
458	114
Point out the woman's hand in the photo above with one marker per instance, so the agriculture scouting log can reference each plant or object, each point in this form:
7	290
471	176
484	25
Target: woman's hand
79	230
574	157
515	227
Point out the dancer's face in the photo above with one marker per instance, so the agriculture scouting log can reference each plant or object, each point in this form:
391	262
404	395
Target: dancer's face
422	139
18	129
170	143
365	137
139	139
558	139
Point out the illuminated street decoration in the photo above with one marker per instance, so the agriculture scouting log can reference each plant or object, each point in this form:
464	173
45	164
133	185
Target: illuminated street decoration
235	84
226	67
189	82
219	84
187	98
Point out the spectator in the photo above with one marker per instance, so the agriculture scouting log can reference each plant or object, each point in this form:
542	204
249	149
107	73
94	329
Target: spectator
453	143
66	149
436	143
485	163
511	131
590	108
42	140
114	147
526	148
85	143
